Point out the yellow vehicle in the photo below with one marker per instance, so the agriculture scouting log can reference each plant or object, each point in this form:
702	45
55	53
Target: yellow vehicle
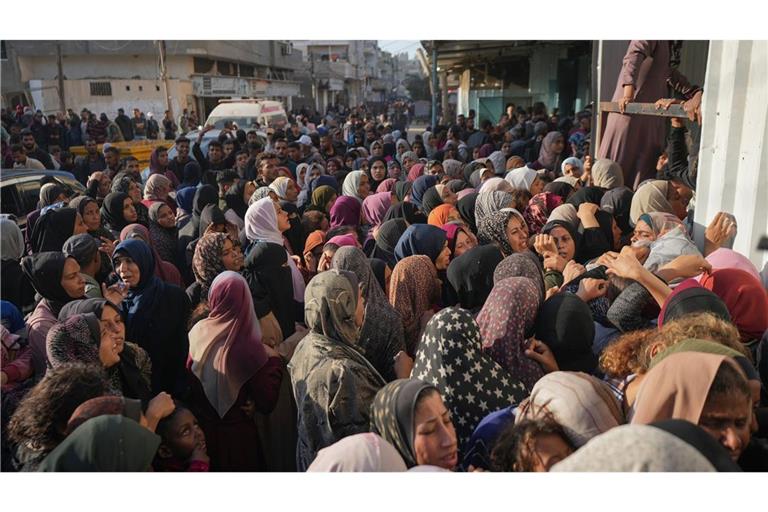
140	149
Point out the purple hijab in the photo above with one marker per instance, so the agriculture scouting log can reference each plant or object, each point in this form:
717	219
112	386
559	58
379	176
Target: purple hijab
376	206
345	212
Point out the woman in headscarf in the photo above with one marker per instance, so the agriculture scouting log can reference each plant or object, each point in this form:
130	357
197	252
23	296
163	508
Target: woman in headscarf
205	195
131	376
16	288
491	202
525	178
414	288
345	212
163	269
401	146
163	232
420	187
566	213
57	280
359	453
524	264
388	185
429	143
184	205
266	221
124	183
538	210
387	237
403	191
406	211
584	405
452	341
444	214
285	189
709	390
607	174
496	184
566	326
50	194
728	258
657	196
375	207
460	238
466	206
636	448
471	276
506	321
294	235
231	366
270	280
334	385
745	298
431	200
108	443
381	336
158	166
214	253
617	202
427	240
118	211
416	171
156	315
323	198
411	415
158	188
550	154
356	185
377	172
236	200
665	236
562	187
506	229
88	208
54	227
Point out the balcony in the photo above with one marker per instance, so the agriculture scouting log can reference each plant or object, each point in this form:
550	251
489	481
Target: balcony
337	70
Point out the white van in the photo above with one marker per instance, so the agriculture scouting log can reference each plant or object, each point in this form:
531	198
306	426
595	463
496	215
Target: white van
245	113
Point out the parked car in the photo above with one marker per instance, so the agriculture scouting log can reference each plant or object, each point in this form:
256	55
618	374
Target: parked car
21	190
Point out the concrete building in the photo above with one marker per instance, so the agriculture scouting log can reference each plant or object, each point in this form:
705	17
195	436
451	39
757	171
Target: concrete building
336	71
486	75
106	75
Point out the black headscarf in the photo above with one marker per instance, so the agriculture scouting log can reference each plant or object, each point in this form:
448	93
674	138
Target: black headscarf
549	226
688	301
295	235
586	195
112	211
48	195
269	279
431	200
559	188
375	183
617	202
45	270
471	275
234	199
379	271
204	196
393	415
402	189
406	211
387	237
210	215
565	324
466	207
52	229
702	441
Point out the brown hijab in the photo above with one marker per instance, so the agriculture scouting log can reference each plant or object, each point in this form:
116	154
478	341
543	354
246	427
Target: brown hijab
413	289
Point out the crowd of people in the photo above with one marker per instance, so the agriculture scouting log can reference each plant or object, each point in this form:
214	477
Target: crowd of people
337	297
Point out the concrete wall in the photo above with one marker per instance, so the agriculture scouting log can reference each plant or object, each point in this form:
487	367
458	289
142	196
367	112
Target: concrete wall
733	156
77	95
79	67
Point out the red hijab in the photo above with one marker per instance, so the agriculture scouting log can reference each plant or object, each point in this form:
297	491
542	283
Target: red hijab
745	298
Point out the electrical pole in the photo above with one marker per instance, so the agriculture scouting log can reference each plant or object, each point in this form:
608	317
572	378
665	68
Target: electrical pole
164	77
434	85
60	65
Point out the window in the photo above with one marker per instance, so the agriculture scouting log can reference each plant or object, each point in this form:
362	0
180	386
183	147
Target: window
9	200
101	88
203	65
3	51
30	194
246	70
141	87
225	68
157	88
127	87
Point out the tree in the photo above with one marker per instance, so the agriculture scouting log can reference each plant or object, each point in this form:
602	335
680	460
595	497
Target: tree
418	86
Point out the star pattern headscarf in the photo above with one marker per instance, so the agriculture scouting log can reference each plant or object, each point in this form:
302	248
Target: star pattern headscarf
472	384
506	322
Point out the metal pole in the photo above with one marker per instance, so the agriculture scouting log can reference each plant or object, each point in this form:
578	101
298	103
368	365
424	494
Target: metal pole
60	65
434	85
164	77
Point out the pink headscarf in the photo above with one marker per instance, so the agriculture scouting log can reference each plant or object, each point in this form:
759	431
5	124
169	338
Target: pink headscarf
375	207
416	171
348	240
547	156
225	348
388	185
728	258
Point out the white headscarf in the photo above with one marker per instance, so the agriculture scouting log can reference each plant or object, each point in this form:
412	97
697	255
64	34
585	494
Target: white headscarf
12	239
352	184
522	178
359	453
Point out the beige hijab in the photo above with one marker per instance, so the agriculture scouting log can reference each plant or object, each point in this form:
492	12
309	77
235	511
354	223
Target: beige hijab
677	387
651	197
360	453
607	174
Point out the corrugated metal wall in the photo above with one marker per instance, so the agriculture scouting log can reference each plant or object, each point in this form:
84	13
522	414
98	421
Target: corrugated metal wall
733	166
